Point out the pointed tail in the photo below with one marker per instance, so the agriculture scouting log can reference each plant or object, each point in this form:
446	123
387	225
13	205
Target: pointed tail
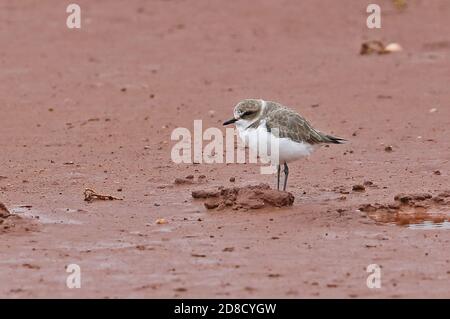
333	139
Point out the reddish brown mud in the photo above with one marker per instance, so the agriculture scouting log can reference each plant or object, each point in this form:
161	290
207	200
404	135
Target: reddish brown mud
94	108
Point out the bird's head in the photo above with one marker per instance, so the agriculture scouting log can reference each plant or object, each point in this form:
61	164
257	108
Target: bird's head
248	110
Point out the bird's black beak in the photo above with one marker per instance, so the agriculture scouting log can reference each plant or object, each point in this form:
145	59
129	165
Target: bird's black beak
230	121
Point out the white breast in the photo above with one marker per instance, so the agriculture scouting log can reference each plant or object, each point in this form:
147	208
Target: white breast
241	126
259	140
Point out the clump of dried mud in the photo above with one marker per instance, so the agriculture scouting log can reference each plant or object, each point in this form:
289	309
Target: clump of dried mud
247	197
4	213
411	209
11	222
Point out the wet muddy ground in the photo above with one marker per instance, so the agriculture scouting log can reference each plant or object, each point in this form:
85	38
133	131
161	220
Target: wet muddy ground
94	108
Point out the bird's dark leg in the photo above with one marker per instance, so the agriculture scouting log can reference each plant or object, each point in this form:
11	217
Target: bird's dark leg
278	176
286	174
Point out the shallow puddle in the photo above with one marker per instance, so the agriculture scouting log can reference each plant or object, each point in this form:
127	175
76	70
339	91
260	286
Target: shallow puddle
415	211
426	225
413	218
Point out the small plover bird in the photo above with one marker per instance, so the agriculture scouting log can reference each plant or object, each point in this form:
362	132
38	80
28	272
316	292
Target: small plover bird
258	120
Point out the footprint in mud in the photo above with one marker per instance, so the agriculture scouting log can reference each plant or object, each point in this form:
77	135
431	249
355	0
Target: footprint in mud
415	211
57	217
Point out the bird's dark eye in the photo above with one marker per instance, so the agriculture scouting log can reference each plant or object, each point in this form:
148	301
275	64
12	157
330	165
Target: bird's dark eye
248	113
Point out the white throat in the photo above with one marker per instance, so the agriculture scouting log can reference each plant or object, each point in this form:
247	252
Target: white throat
242	124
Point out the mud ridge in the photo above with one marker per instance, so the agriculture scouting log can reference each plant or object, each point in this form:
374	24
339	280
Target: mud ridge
246	197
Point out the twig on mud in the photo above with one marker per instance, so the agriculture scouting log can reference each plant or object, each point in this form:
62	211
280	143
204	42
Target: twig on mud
375	46
371	47
90	195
